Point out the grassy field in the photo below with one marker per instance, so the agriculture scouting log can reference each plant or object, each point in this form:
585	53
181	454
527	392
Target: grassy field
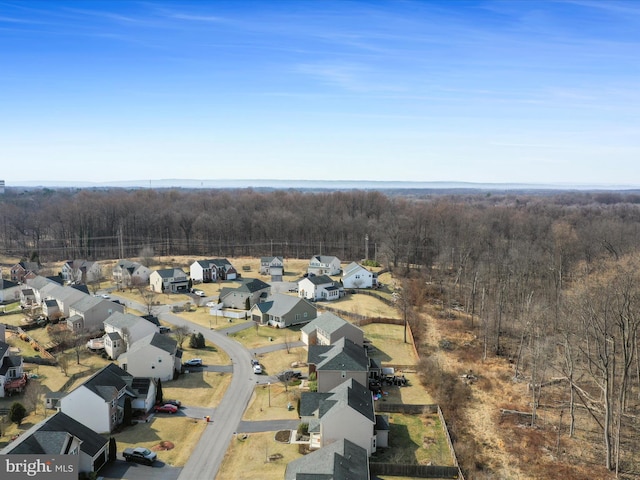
388	341
363	305
248	458
260	336
270	402
201	388
182	432
275	362
415	439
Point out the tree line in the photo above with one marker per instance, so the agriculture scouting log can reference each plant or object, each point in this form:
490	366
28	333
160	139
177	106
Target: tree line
549	281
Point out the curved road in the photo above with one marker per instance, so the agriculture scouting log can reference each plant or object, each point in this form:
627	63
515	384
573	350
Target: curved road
208	454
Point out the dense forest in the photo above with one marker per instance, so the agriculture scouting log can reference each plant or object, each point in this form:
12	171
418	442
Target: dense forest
549	281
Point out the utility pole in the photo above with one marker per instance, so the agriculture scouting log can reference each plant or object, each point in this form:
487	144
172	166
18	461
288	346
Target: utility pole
366	246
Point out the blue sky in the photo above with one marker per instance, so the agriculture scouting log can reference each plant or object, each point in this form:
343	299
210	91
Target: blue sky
477	91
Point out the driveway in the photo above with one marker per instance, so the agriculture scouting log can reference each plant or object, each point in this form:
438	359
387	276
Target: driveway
134	471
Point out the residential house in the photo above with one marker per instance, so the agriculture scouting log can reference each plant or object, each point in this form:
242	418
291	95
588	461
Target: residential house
81	271
127	273
328	328
246	295
169	280
344	412
273	266
333	364
23	271
62	435
280	310
211	270
93	311
341	459
154	356
64	297
319	287
324	265
121	330
12	376
9	291
98	403
356	276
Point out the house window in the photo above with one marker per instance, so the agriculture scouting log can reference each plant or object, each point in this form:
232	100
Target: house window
305	314
124	367
297	316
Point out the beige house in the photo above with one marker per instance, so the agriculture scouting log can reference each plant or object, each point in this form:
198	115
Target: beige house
93	311
324	265
328	328
81	271
154	356
336	363
127	273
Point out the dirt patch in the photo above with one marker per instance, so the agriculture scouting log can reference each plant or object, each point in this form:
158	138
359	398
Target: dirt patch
283	436
163	446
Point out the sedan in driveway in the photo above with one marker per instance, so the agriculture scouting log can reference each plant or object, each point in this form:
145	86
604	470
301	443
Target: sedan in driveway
167	408
194	362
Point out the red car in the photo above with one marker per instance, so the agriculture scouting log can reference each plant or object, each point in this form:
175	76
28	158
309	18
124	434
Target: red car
168	408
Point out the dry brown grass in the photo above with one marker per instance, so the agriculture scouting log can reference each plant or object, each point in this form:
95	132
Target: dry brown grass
366	305
388	341
260	336
198	388
247	458
270	402
275	362
183	432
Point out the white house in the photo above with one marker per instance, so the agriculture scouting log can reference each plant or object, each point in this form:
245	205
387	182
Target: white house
12	378
273	266
98	403
328	328
81	271
319	287
127	273
356	276
211	270
345	412
9	291
124	329
324	265
154	356
62	435
169	280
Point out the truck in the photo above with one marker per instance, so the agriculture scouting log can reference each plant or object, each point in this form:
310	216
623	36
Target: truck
139	455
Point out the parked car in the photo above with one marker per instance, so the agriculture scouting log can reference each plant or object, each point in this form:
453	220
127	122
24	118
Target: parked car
194	362
254	362
210	304
139	455
175	403
164	329
199	293
165	408
106	296
257	369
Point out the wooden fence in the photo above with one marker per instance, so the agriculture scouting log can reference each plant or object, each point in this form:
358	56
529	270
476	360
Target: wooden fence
413	470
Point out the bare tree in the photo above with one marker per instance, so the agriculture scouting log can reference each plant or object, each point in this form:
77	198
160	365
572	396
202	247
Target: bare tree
181	332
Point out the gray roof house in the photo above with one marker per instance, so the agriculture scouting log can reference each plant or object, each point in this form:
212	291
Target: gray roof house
320	287
347	411
280	310
340	460
124	329
93	311
355	275
9	291
169	280
338	362
127	273
324	265
153	356
212	270
98	403
253	290
62	435
11	368
273	266
328	328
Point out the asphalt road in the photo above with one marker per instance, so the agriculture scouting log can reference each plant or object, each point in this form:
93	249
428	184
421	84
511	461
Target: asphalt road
206	459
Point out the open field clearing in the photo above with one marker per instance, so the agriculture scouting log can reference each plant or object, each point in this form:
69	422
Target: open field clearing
248	457
182	432
202	317
274	362
210	354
